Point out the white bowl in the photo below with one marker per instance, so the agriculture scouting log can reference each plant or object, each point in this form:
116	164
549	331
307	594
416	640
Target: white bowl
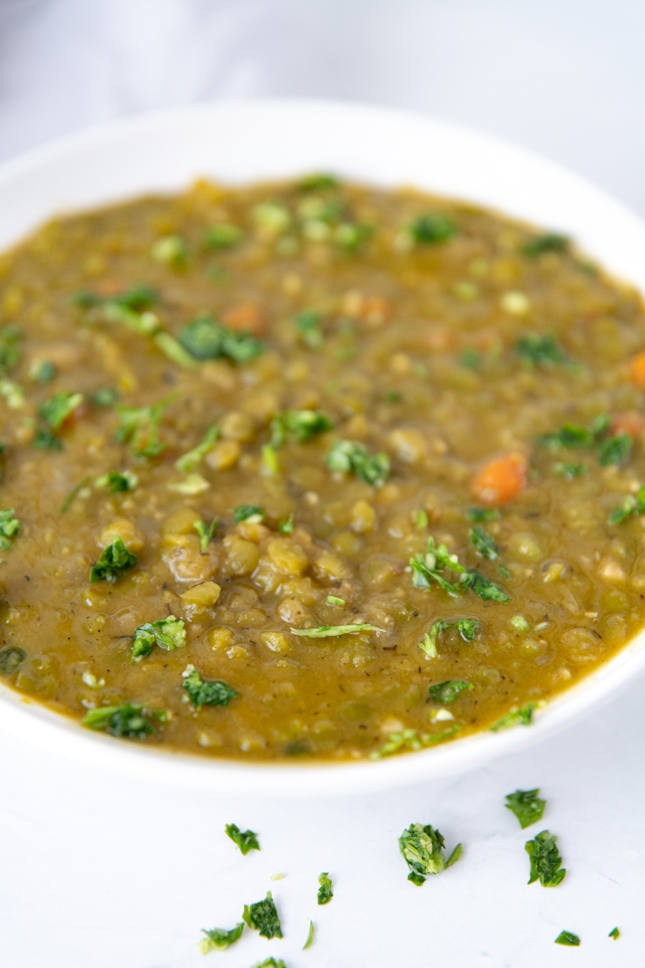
265	139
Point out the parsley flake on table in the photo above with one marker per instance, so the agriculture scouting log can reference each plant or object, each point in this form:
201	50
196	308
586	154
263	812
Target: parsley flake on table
545	860
168	633
263	917
300	425
447	692
310	937
614	933
9	528
526	805
423	850
127	721
246	840
206	692
248	512
270	963
349	455
327	631
515	717
568	938
219	939
113	562
325	893
484	543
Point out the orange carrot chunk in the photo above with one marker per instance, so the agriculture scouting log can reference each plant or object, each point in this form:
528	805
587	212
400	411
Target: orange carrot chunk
637	370
501	480
244	317
631	423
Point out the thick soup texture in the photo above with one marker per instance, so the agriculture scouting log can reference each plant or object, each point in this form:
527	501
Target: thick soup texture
314	469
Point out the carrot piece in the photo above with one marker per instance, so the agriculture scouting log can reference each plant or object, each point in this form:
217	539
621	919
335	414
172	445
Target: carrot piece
374	311
501	479
631	423
245	317
637	370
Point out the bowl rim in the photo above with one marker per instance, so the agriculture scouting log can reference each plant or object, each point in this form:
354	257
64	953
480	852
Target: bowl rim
89	150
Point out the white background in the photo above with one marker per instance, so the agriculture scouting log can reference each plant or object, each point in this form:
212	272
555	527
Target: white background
100	871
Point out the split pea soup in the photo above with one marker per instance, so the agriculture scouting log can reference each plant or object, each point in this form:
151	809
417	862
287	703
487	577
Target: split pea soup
314	470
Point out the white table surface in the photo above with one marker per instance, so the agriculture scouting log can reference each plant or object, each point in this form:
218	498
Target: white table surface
101	870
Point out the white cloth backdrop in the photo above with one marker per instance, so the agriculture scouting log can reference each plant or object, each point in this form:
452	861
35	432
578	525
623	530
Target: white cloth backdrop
103	871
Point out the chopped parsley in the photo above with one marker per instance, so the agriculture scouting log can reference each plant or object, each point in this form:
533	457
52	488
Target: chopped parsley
611	449
483	514
113	562
515	717
545	860
349	455
58	408
539	244
205	533
427	568
317	182
263	917
171	250
325	893
117	482
140	428
168	633
310	937
333	600
467	628
286	527
540	350
188	462
127	721
325	631
484	543
568	938
307	324
218	939
526	805
246	840
11	658
431	229
423	850
75	491
248	512
351	235
46	440
629	506
470	359
301	425
615	934
223	236
614	449
206	692
412	739
447	692
9	528
207	339
9	349
270	963
138	298
569	470
42	371
105	397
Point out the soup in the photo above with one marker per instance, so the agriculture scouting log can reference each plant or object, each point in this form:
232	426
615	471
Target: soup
314	469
